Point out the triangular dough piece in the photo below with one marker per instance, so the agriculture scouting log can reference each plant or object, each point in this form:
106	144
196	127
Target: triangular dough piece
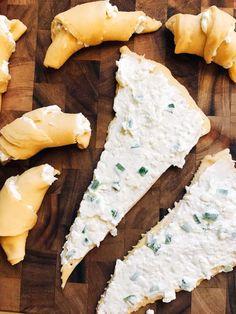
195	241
156	125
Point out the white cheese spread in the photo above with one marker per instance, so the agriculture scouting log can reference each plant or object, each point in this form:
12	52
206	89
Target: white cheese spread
142	20
82	125
200	235
48	173
111	10
4	67
205	20
5	29
154	128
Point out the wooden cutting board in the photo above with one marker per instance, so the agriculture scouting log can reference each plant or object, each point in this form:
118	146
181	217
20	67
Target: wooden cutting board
86	83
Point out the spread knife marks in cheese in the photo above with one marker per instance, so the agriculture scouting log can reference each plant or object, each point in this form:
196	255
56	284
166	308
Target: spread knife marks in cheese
10	32
42	128
156	125
90	24
20	200
195	241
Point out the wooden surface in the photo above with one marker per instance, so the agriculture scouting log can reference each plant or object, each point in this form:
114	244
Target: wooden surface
86	83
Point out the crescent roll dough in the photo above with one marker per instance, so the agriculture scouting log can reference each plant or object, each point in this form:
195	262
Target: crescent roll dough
209	34
20	200
42	128
90	24
10	32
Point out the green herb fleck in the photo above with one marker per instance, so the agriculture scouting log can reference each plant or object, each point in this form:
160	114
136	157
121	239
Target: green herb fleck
70	253
114	213
227	268
134	276
186	227
135	145
153	245
83	231
116	186
120	167
154	288
184	285
86	240
143	171
171	106
223	191
95	184
196	219
90	197
130	124
168	238
130	299
210	216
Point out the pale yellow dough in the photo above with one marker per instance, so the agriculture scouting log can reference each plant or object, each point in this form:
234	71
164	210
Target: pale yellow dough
20	200
209	35
91	24
9	34
42	128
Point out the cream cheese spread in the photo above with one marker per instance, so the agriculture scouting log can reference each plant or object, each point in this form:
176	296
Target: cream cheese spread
142	20
205	20
154	128
199	237
111	10
5	28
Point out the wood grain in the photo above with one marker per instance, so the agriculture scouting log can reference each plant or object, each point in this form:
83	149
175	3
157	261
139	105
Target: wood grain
86	83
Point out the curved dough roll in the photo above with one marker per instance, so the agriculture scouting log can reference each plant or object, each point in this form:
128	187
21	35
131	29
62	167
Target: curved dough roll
209	34
42	128
20	200
10	32
91	24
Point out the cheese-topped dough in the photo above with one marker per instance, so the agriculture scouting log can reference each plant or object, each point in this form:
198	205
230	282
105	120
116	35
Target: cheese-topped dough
10	31
209	34
90	24
20	200
42	128
193	242
156	125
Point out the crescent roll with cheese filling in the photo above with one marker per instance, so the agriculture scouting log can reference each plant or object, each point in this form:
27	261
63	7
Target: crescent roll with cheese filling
210	35
10	32
42	128
90	24
20	200
195	241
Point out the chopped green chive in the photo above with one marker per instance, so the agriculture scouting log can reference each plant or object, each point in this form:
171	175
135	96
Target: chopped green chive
222	191
130	299
135	145
86	240
116	186
90	197
95	184
154	288
227	268
155	247
134	276
143	171
83	231
120	167
184	285
196	219
70	253
130	124
168	239
114	213
210	216
186	227
171	106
